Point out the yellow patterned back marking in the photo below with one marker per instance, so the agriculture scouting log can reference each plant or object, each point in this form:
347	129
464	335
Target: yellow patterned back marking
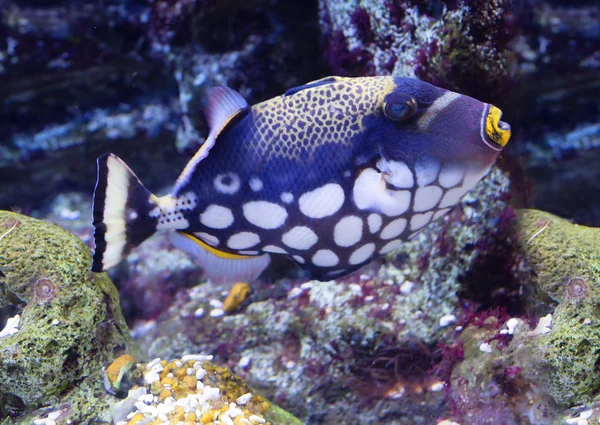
330	113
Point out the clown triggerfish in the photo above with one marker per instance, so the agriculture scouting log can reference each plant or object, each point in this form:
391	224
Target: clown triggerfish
332	174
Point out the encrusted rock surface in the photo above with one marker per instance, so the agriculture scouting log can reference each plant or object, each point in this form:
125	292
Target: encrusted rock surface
444	43
544	371
70	320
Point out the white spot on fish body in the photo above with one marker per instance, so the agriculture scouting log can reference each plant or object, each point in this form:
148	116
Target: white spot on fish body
209	239
325	258
265	215
228	183
187	201
427	197
451	175
370	192
216	217
274	249
374	222
394	228
390	246
287	198
255	183
299	259
398	174
243	240
299	237
440	213
418	221
362	254
322	201
348	231
427	172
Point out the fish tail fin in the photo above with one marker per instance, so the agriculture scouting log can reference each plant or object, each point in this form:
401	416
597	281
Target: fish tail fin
122	207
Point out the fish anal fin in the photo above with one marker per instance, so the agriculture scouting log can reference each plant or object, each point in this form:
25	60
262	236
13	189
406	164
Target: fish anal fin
219	266
223	106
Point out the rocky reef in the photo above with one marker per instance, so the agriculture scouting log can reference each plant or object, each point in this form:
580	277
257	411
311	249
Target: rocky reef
61	323
488	316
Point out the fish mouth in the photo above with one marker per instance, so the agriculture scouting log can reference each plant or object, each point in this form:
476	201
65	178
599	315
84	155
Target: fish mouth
494	130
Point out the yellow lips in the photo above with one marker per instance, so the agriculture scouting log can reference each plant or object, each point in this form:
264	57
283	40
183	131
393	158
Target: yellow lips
498	131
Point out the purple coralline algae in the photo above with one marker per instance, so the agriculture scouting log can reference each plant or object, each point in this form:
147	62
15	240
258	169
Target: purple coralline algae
458	45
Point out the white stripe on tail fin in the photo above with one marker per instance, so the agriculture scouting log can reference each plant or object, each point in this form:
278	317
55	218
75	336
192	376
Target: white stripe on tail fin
122	208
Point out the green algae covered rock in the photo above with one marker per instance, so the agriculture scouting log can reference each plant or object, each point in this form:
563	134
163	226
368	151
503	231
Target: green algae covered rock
546	372
564	260
70	320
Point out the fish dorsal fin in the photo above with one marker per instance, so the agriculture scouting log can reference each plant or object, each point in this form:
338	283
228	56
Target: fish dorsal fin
316	83
223	105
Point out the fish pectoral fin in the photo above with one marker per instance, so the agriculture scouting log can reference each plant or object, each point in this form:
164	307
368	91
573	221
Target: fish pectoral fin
224	105
219	266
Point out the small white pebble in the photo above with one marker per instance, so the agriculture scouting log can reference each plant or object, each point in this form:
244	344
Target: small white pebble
234	412
307	285
447	422
290	364
437	386
587	321
199	312
543	326
50	422
295	292
511	324
54	415
211	393
244	399
199	386
244	362
151	377
216	303
153	363
406	287
197	357
586	415
356	289
11	328
39	421
257	419
369	298
189	371
200	374
157	368
147	398
458	328
217	312
170	375
243	421
447	320
178	363
226	419
485	347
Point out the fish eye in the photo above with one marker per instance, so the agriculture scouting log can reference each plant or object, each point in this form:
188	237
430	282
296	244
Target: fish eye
399	107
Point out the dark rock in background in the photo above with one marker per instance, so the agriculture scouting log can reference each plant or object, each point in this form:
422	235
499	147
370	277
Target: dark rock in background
129	77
